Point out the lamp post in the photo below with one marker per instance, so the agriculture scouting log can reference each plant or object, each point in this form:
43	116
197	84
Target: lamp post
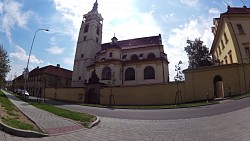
26	70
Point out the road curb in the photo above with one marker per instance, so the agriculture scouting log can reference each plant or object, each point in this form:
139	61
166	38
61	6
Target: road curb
95	123
20	132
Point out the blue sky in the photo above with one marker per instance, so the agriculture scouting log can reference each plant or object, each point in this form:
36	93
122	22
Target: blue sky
175	20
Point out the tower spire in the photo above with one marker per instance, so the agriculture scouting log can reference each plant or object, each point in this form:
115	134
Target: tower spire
95	7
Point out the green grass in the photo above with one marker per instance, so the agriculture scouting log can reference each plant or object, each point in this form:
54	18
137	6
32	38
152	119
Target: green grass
12	119
83	118
17	124
196	104
236	97
8	106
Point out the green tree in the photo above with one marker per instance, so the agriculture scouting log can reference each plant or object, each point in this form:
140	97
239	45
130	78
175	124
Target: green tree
198	54
4	64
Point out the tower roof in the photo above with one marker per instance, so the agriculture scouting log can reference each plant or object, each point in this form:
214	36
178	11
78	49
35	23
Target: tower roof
95	7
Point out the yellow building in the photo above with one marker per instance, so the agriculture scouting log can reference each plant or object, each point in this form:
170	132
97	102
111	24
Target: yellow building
231	36
229	76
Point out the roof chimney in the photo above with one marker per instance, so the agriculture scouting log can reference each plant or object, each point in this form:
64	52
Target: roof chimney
58	65
37	67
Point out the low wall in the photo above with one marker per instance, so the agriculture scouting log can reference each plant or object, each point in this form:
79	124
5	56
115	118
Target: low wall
66	94
160	94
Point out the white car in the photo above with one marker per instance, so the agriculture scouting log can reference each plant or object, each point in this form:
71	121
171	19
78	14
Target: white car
24	92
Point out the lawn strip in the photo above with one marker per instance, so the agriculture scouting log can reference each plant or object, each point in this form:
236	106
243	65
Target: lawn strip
11	116
237	97
84	119
187	105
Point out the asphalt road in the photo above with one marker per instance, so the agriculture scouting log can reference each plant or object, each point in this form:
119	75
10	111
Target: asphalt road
159	114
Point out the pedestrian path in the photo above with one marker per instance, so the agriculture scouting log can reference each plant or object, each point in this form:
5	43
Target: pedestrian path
49	122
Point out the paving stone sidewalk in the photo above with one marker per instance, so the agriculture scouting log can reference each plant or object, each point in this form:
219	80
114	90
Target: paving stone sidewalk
233	126
49	122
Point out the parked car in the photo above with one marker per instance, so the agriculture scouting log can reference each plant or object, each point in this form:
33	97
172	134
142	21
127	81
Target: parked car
18	91
25	93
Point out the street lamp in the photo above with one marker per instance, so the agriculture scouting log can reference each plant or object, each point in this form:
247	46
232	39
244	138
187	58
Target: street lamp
26	70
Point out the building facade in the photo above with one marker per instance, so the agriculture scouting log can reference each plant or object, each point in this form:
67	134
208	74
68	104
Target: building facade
135	60
127	62
45	77
231	36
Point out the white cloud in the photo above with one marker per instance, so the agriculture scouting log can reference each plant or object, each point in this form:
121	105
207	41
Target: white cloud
176	42
21	55
54	49
12	15
192	3
214	11
69	61
72	12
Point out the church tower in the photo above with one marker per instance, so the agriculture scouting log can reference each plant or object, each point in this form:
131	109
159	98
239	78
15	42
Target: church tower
88	44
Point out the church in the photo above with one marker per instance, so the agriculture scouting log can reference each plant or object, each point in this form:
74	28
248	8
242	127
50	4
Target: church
127	62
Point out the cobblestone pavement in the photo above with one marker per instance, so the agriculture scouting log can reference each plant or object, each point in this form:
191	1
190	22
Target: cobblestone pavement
232	126
50	123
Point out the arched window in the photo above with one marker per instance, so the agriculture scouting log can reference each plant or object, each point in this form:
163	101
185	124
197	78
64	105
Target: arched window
149	73
151	56
106	73
134	57
130	74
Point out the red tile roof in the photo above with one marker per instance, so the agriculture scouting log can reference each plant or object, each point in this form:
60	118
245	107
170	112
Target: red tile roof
52	70
237	10
137	42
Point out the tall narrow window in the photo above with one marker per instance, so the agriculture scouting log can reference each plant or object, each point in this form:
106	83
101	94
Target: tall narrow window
230	57
149	73
222	44
247	50
217	53
86	28
97	40
240	28
110	54
225	59
130	74
219	49
226	39
81	55
84	38
97	31
106	73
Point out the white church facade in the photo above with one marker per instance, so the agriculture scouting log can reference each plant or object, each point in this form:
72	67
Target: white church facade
129	62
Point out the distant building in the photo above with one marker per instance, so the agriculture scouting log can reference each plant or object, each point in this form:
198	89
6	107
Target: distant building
232	36
131	62
45	77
